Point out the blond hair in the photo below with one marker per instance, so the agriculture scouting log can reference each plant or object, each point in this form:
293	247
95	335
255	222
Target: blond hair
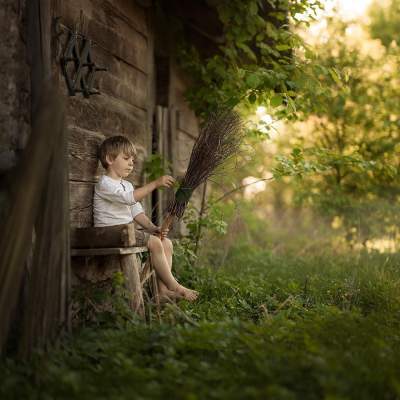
114	145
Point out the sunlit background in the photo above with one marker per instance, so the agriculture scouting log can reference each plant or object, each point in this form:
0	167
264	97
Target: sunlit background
347	9
356	14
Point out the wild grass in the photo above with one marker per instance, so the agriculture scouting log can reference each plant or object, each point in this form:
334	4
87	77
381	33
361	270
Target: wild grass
265	327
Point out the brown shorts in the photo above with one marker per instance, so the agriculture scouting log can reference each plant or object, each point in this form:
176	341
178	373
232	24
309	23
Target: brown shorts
141	237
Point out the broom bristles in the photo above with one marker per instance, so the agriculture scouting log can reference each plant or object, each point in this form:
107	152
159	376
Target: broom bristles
218	140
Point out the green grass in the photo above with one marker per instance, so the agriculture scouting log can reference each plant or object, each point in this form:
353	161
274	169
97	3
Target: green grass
265	327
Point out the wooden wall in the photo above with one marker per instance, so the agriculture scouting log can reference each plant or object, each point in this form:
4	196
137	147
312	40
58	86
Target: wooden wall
14	83
122	32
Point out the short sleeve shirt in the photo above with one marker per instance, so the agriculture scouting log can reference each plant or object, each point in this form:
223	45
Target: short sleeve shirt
114	202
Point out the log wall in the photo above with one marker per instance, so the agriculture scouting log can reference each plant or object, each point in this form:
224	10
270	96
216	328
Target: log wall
14	83
123	40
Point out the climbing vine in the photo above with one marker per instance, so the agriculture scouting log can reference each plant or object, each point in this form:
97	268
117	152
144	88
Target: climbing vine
255	62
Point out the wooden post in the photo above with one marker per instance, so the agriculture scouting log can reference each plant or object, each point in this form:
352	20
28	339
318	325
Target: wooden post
130	269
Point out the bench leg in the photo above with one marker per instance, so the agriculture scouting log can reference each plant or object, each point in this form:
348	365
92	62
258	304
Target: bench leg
130	269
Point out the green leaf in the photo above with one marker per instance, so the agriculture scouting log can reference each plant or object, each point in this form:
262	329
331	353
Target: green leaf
247	50
309	54
252	98
253	9
253	80
296	152
335	75
276	101
282	47
232	102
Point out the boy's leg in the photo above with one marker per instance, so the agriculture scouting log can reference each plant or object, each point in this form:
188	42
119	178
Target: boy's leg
160	262
168	249
163	290
163	269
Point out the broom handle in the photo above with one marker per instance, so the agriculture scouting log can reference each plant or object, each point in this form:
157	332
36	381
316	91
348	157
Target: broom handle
169	219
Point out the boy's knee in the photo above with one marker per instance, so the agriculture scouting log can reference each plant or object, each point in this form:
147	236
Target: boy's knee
167	243
154	243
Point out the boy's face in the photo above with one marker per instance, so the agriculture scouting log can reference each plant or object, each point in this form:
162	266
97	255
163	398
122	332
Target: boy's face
122	165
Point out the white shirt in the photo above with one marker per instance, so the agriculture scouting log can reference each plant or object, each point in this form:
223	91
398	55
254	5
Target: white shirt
114	203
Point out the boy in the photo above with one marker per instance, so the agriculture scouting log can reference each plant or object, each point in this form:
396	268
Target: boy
116	202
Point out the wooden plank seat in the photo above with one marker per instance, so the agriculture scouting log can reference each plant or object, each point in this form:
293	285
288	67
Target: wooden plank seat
108	251
118	240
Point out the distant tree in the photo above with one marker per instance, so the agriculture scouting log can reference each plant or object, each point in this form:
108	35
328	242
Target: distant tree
385	21
346	147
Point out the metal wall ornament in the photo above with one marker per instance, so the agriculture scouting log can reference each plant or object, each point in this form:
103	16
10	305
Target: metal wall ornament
78	67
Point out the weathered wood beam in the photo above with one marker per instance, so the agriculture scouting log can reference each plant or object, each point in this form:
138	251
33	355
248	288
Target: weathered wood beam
108	236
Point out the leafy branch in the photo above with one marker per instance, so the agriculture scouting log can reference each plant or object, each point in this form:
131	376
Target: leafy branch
255	62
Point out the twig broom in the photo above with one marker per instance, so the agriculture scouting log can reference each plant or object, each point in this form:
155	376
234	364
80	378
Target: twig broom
219	139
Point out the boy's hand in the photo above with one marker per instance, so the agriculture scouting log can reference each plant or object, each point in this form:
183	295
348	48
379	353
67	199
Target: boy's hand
164	233
165	181
157	231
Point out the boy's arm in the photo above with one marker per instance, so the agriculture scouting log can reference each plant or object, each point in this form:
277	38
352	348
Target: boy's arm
144	221
166	181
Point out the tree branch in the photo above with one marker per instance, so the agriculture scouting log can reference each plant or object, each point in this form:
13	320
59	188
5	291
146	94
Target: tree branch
238	188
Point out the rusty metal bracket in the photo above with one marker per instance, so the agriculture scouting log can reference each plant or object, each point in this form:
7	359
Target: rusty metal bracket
78	67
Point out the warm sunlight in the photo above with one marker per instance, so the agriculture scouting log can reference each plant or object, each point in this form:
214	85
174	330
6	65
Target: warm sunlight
344	9
350	9
256	185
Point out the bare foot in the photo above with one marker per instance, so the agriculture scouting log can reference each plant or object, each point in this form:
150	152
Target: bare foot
188	294
167	295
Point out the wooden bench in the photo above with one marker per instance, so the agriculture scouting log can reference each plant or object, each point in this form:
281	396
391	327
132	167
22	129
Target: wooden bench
118	240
